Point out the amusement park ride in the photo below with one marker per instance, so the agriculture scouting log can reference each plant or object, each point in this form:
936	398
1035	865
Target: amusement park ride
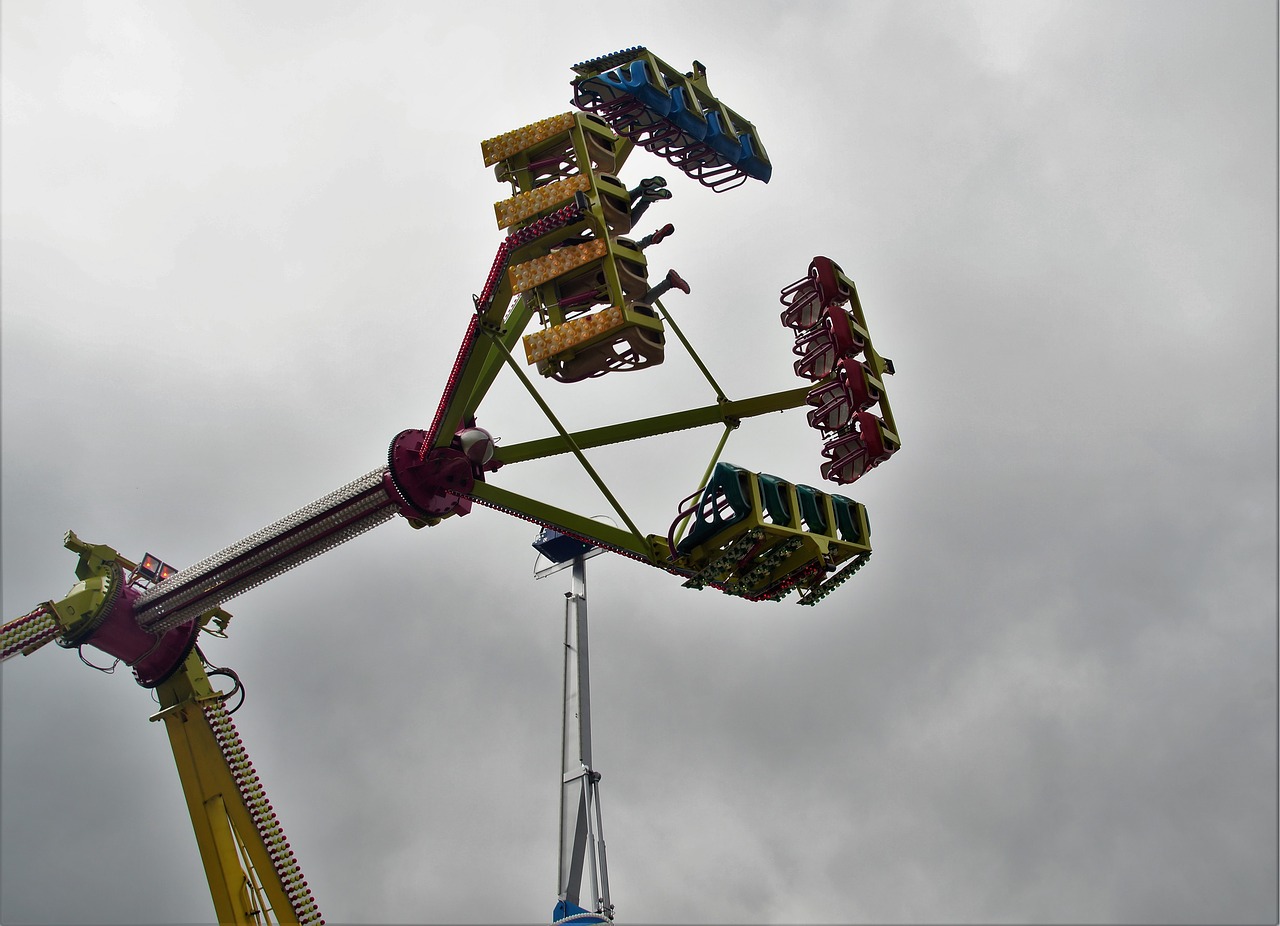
570	289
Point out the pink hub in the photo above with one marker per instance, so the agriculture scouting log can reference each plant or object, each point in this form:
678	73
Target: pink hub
435	483
152	657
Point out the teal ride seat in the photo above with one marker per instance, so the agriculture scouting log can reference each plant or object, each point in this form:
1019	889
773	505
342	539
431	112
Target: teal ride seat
815	519
848	523
724	501
777	502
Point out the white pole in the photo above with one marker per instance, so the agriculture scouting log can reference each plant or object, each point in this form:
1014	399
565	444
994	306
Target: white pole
581	834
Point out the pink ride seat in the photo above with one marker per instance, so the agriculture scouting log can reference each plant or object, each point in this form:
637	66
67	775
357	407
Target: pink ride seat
835	337
855	389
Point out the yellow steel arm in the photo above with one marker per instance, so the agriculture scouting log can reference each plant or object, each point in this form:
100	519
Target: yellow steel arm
252	882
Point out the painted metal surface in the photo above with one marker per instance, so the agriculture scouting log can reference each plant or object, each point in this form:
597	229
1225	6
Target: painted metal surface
570	282
254	877
582	846
834	350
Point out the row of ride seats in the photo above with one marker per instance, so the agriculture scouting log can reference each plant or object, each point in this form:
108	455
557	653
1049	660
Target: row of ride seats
834	349
589	280
673	115
822	530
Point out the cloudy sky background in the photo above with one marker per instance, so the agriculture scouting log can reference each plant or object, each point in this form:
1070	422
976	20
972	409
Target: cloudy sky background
239	246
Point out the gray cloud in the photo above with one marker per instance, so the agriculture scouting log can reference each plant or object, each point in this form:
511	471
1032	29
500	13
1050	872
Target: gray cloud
239	245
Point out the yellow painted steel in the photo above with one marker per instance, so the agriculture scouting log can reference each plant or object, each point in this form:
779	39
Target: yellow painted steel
578	332
520	207
244	884
507	144
876	365
534	272
790	539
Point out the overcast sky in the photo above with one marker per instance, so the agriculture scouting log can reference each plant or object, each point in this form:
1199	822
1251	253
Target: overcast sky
239	246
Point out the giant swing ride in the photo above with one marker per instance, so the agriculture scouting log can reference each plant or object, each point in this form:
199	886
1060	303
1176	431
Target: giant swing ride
569	286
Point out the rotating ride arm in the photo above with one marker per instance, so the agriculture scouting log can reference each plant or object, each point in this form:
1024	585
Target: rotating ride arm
569	260
569	263
570	284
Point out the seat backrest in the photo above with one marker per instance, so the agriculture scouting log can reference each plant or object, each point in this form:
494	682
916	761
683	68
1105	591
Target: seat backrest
847	457
869	427
861	387
725	500
825	274
686	115
817	353
803	308
848	521
831	410
646	85
776	496
812	509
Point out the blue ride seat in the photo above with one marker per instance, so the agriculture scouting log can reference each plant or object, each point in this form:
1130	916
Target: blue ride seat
722	138
648	88
673	115
636	81
686	116
753	159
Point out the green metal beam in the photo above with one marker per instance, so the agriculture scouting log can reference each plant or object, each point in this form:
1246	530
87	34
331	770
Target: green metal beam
729	413
483	362
706	477
565	520
564	435
689	347
481	370
460	405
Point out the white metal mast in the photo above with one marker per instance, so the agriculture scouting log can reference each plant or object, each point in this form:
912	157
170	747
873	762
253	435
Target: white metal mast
581	834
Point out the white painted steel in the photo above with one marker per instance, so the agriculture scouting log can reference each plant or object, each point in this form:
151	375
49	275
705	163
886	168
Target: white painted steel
581	833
